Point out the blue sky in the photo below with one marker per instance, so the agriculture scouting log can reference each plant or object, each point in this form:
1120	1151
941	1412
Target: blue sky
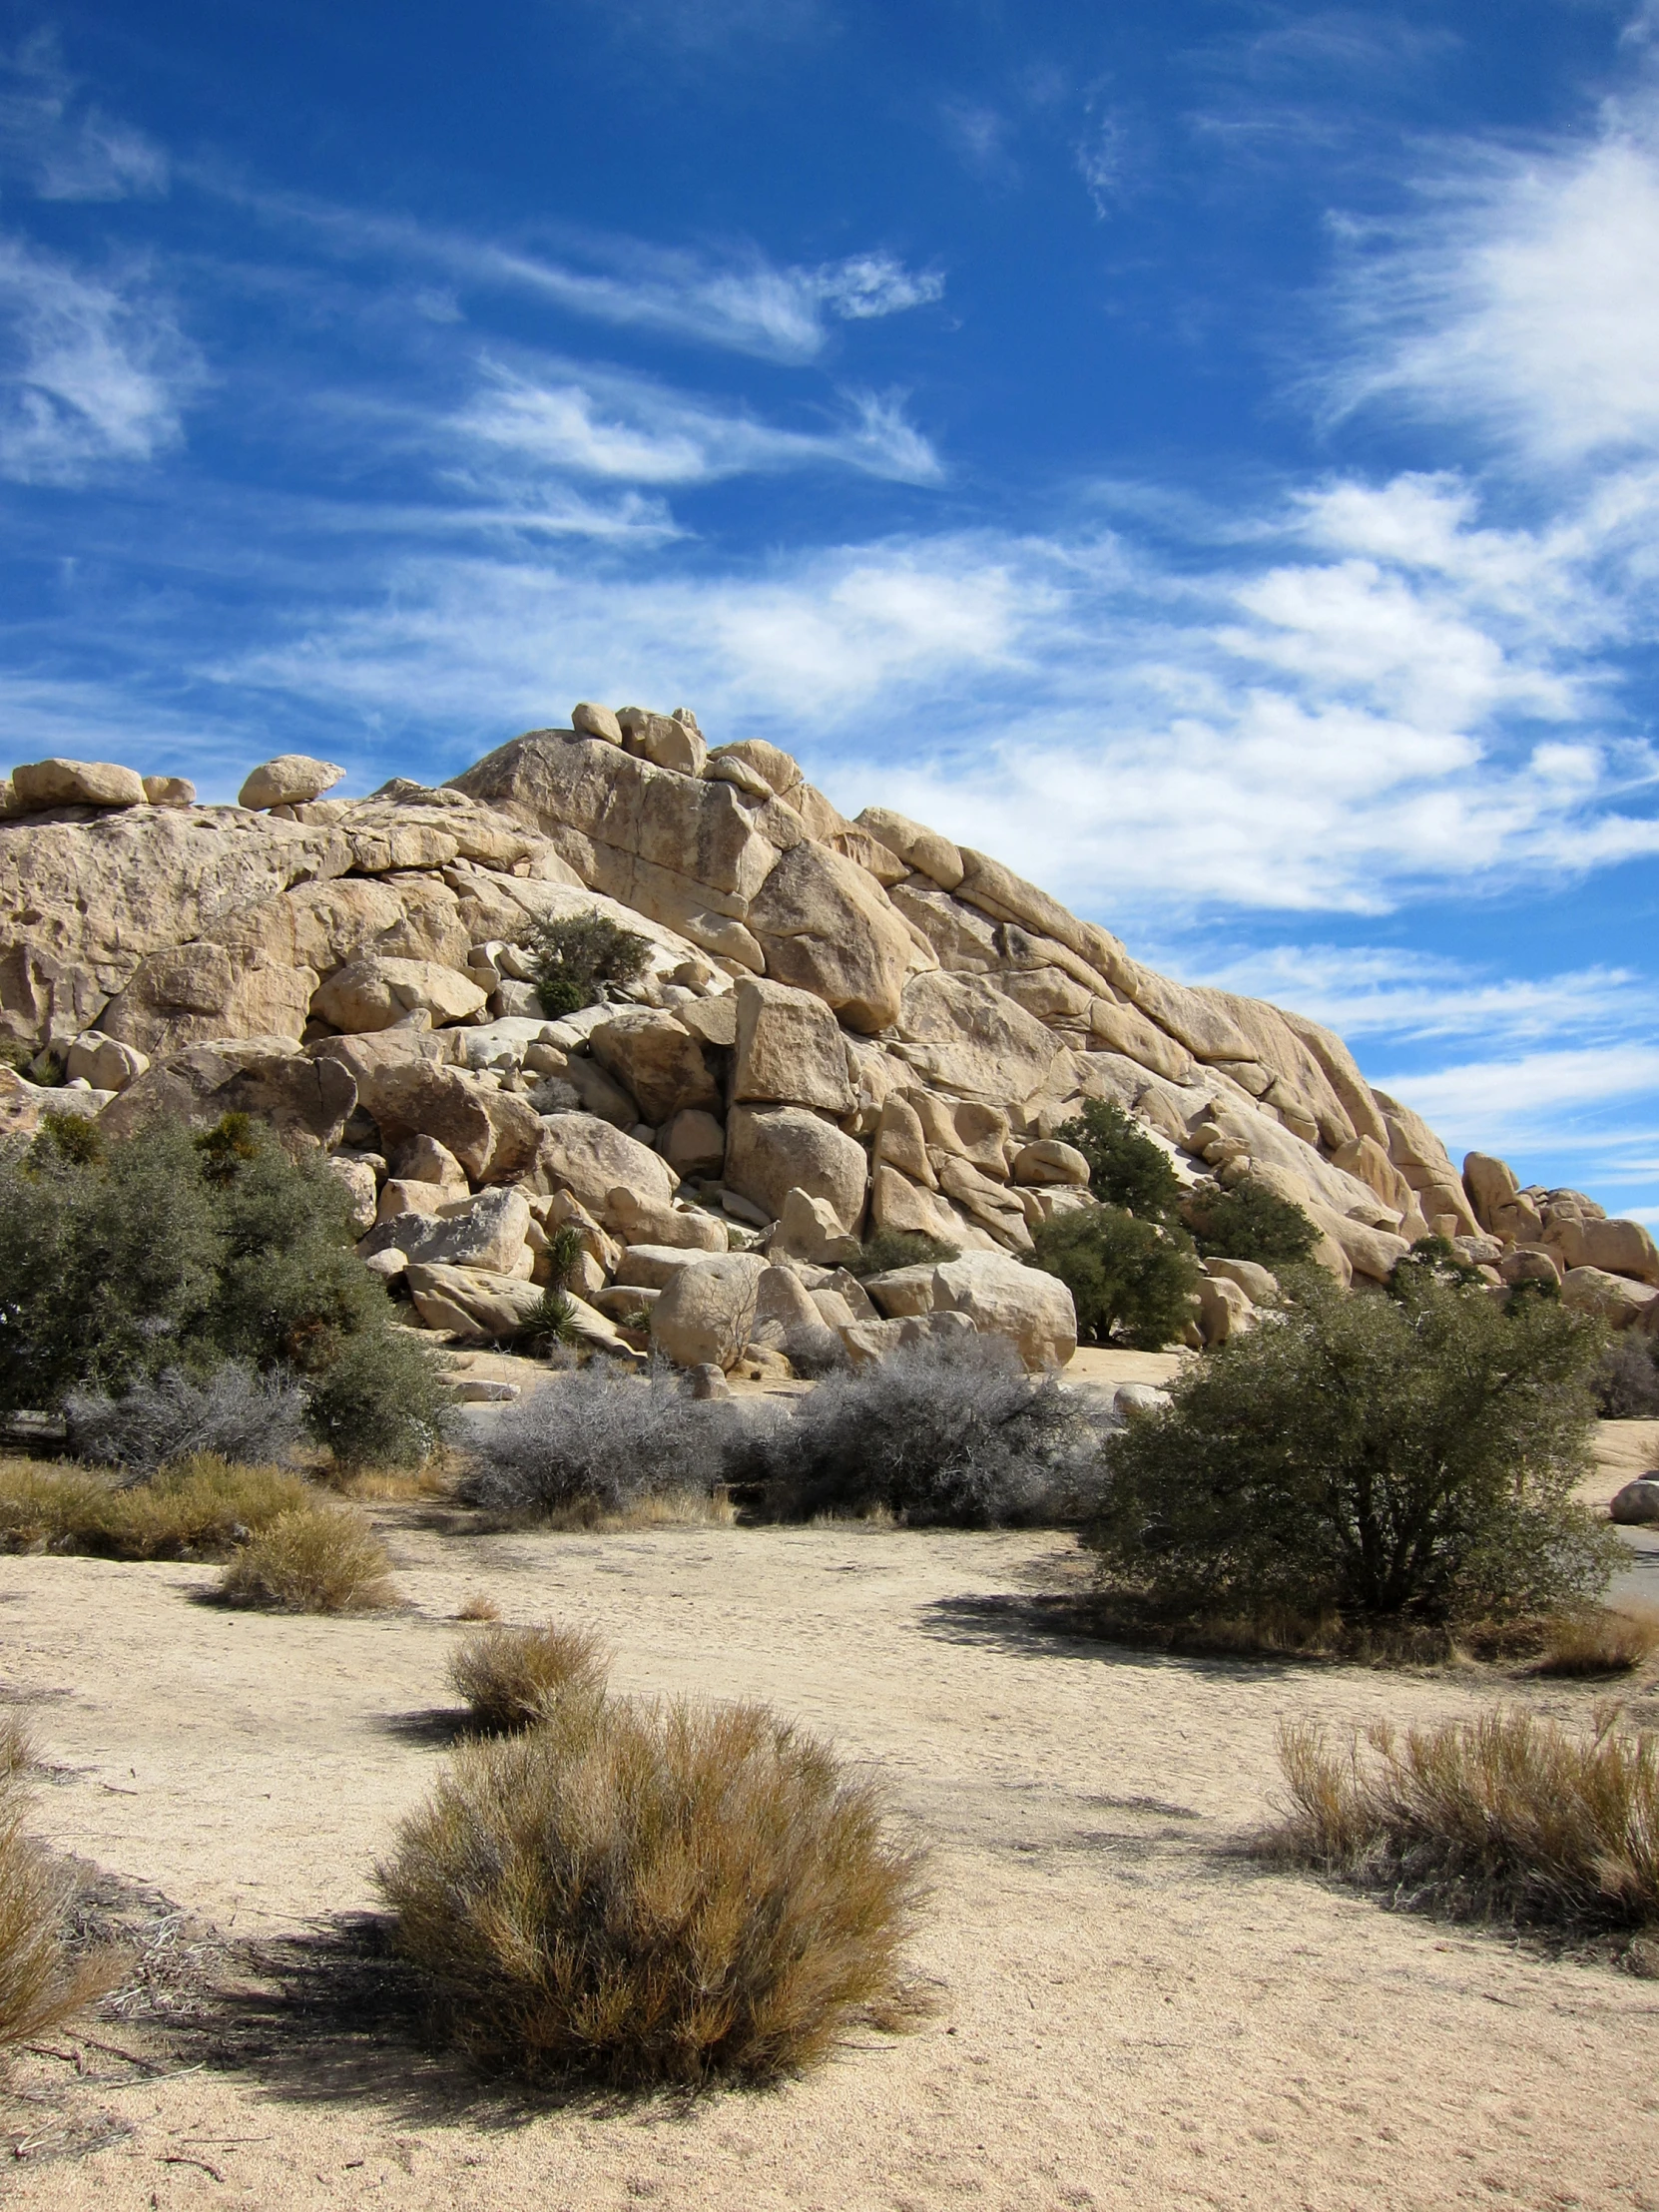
1205	454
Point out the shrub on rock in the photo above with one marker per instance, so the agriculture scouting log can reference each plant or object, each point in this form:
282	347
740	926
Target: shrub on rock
654	1895
573	959
1407	1458
1125	1167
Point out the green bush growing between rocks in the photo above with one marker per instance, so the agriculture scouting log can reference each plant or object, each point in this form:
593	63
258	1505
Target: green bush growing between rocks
1249	1221
1126	1168
655	1894
1408	1460
1627	1384
887	1248
163	1250
1131	1282
572	960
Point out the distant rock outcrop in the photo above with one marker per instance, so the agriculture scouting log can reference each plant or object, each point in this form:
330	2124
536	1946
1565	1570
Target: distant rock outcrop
844	1025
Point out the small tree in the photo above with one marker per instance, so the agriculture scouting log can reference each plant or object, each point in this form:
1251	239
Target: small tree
1411	1458
1130	1280
1250	1222
572	960
1125	1167
885	1249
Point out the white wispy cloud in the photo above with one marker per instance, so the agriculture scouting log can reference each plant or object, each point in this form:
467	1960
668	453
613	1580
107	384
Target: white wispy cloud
94	370
62	146
1525	1097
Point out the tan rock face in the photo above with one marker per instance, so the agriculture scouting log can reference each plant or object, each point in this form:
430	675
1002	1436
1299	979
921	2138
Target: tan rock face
1491	1183
962	1034
1616	1247
76	784
374	992
195	993
1617	1301
901	1143
494	1134
587	1157
771	1149
663	739
693	1145
659	1061
788	1049
706	1314
263	1076
1001	1297
288	780
918	848
647	1221
104	1063
825	928
1050	1160
590	721
470	1300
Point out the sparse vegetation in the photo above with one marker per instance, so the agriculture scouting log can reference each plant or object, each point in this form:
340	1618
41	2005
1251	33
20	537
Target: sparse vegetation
200	1508
572	960
1627	1385
1505	1817
1600	1640
312	1559
956	1433
1249	1221
602	1439
1405	1460
1126	1168
1131	1280
655	1894
42	1984
885	1249
234	1414
514	1677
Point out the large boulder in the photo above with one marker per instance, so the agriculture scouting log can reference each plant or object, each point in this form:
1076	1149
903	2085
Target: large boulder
196	993
587	1157
918	847
374	992
825	928
1616	1300
788	1049
1049	1161
1003	1298
1637	1504
660	1062
105	1063
706	1314
487	1233
495	1134
912	1209
959	1031
693	1145
770	1150
666	741
291	779
471	1302
1617	1247
1490	1183
311	1100
76	784
647	1221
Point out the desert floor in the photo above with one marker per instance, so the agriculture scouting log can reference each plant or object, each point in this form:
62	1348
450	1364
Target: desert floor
1131	2012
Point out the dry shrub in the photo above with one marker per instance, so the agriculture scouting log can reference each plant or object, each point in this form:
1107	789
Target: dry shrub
478	1608
315	1559
659	1509
1604	1641
655	1894
40	1983
1505	1817
205	1505
514	1677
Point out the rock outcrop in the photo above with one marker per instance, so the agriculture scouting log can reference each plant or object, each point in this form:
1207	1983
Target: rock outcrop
842	1026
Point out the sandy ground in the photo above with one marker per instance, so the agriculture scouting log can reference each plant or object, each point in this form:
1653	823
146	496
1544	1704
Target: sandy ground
1130	2013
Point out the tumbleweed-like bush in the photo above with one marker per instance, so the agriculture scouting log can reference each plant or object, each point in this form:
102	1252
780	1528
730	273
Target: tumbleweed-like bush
234	1414
514	1677
953	1433
654	1893
317	1559
604	1436
1505	1817
1599	1639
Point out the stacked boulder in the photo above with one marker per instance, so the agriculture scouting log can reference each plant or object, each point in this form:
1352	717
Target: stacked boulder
1608	1268
843	1026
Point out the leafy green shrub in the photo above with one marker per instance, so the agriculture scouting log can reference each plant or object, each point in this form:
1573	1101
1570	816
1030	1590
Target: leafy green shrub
164	1251
1249	1221
1125	1167
654	1893
885	1249
315	1559
199	1508
572	960
1130	1280
514	1677
1503	1817
953	1433
1410	1458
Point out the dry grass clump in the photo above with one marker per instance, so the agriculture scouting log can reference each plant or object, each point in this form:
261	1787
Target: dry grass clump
315	1559
40	1983
203	1505
478	1608
1604	1641
655	1894
514	1677
1505	1817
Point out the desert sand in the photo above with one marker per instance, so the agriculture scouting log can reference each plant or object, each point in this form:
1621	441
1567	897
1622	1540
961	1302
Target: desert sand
1129	2010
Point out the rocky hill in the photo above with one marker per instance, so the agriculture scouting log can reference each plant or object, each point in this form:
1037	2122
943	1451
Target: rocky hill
844	1025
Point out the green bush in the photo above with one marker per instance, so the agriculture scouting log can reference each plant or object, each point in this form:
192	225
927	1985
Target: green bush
1408	1458
1125	1167
887	1248
1130	1280
573	959
1250	1222
163	1250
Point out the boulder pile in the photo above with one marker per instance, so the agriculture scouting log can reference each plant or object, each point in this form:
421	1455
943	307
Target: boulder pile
843	1026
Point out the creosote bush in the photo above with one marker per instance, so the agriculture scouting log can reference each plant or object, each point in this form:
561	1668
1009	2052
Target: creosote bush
514	1677
885	1249
166	1252
1126	1168
1130	1279
603	1437
201	1507
314	1559
42	1984
1408	1460
234	1414
572	960
1249	1221
1505	1817
952	1433
654	1895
